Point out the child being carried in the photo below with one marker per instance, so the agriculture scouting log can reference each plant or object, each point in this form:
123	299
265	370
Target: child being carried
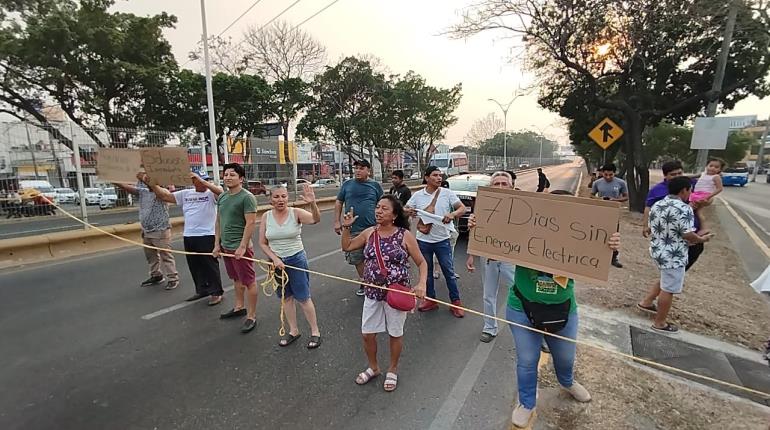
710	182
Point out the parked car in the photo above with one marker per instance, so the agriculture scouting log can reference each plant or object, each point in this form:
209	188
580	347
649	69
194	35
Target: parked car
93	196
465	187
524	166
324	183
66	195
257	188
44	187
109	198
736	175
415	175
300	183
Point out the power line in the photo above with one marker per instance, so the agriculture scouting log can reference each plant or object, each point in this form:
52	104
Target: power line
239	18
316	14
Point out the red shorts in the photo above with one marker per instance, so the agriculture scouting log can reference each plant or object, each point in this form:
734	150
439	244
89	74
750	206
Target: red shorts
240	270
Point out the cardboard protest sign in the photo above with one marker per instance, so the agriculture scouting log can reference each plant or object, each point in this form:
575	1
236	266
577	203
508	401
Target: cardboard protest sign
557	234
118	165
167	166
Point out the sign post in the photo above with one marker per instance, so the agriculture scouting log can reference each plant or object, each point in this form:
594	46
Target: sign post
606	133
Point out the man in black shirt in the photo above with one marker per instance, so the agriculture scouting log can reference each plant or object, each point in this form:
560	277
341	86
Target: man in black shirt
542	181
399	189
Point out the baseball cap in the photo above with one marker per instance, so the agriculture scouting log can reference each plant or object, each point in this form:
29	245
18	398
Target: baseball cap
362	163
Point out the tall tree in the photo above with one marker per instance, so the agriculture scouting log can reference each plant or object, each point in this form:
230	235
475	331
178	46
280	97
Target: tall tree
645	60
100	68
484	129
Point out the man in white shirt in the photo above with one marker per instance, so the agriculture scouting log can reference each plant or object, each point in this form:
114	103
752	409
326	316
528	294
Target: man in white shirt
433	236
199	207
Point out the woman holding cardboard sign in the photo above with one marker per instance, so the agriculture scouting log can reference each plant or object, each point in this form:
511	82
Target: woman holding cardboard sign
546	302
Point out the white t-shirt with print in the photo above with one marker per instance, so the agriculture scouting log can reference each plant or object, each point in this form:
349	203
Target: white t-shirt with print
200	211
444	205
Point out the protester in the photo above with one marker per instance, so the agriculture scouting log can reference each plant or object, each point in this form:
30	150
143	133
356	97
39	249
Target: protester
156	232
363	195
280	237
671	170
396	244
453	236
493	272
557	295
434	237
199	208
543	184
613	189
236	221
672	224
399	188
710	182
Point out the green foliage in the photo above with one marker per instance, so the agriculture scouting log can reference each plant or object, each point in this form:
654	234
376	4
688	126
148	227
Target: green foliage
520	144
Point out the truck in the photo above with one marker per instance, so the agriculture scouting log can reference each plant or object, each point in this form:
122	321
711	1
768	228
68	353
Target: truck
450	163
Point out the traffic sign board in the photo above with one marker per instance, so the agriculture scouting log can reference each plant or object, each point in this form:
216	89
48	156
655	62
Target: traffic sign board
606	133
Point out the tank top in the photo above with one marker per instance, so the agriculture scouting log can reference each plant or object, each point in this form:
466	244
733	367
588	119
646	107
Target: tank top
705	183
284	239
396	261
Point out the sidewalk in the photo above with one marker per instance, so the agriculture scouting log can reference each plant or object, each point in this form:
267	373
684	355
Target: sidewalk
631	395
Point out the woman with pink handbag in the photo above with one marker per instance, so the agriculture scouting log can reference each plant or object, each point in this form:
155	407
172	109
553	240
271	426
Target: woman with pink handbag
387	248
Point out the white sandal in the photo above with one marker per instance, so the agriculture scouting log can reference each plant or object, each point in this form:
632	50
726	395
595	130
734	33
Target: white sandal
391	382
366	376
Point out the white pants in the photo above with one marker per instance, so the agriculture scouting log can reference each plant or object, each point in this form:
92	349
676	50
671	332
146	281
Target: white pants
493	273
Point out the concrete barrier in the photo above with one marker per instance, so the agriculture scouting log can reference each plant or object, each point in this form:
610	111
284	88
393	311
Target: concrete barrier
54	246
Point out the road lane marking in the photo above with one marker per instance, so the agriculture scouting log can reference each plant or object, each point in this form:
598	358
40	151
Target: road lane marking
752	234
183	305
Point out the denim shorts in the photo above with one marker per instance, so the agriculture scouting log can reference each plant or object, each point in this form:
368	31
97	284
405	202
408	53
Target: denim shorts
299	281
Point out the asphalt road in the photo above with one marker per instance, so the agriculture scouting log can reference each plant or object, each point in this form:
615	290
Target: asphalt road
752	203
85	348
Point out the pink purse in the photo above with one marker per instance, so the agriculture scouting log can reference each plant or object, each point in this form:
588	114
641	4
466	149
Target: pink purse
399	297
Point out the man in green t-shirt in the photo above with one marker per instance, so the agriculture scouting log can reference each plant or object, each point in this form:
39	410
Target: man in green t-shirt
236	222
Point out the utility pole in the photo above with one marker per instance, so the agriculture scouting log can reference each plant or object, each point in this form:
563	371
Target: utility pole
761	153
210	98
31	149
724	52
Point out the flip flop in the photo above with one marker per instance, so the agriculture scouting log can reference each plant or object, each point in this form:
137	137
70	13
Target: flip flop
366	376
315	342
391	382
649	309
289	339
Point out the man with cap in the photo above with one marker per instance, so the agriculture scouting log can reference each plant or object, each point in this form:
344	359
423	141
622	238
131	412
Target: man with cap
359	196
199	207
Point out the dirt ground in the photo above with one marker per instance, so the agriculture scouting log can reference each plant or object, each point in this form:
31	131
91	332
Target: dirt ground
717	300
629	397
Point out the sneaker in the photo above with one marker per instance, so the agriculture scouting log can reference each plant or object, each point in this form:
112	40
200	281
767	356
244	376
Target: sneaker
171	285
458	313
456	276
428	306
617	264
521	416
668	329
578	392
360	292
487	337
152	280
248	325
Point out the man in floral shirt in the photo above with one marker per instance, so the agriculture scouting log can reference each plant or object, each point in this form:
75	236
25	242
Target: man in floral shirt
672	228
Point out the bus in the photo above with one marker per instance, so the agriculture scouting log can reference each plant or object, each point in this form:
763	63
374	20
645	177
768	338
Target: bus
450	163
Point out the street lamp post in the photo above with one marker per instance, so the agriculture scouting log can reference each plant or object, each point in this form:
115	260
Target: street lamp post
542	136
505	127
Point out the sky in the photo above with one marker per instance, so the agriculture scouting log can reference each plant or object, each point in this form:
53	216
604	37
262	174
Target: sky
405	35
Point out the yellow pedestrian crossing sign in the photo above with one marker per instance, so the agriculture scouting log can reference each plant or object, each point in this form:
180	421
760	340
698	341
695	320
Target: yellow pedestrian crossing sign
606	133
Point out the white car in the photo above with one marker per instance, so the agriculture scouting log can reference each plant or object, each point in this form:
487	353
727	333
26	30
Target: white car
93	196
108	199
66	195
324	183
300	183
415	175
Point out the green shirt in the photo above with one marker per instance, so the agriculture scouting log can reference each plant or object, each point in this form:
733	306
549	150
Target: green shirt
539	287
232	217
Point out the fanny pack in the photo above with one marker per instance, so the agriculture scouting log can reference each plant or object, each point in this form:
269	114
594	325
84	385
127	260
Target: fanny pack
549	318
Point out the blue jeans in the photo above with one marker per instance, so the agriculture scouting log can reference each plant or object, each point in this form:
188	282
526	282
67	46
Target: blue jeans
443	252
528	354
491	274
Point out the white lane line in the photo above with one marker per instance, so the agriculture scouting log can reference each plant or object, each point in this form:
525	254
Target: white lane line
450	409
183	305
